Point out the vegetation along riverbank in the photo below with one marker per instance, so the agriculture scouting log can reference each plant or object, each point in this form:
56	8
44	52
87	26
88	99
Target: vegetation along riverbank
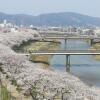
32	46
36	82
96	47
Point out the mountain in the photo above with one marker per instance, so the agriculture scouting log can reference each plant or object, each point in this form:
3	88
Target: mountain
52	19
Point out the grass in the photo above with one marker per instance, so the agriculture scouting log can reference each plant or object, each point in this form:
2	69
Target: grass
4	95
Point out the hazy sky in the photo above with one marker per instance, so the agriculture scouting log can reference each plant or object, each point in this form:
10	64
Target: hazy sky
34	7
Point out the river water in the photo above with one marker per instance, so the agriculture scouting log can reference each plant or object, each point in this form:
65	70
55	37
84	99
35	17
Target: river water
83	66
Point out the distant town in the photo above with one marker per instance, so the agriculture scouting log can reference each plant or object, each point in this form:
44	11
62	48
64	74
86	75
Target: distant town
6	27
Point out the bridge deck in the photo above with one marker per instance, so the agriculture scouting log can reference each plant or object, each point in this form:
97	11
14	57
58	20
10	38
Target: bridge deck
65	37
56	32
66	52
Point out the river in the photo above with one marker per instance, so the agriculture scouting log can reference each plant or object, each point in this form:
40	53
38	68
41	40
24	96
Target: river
82	66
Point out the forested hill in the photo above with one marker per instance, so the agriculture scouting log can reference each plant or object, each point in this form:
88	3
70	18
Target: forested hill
52	19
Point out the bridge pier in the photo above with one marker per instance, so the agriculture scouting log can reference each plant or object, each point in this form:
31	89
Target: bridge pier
65	44
91	42
67	63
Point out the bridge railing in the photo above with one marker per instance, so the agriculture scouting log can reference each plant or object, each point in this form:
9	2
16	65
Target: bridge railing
66	52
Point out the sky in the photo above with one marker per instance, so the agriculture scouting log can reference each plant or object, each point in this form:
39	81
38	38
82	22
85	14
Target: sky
36	7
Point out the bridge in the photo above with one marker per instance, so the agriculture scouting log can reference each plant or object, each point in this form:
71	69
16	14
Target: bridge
56	32
47	34
67	35
67	53
62	34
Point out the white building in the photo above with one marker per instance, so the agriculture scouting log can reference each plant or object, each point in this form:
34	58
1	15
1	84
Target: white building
13	30
97	32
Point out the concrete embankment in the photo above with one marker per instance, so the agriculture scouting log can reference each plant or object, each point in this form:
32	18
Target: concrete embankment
39	83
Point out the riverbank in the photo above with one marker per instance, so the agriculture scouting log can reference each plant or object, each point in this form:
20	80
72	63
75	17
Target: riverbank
96	47
33	46
35	81
45	59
